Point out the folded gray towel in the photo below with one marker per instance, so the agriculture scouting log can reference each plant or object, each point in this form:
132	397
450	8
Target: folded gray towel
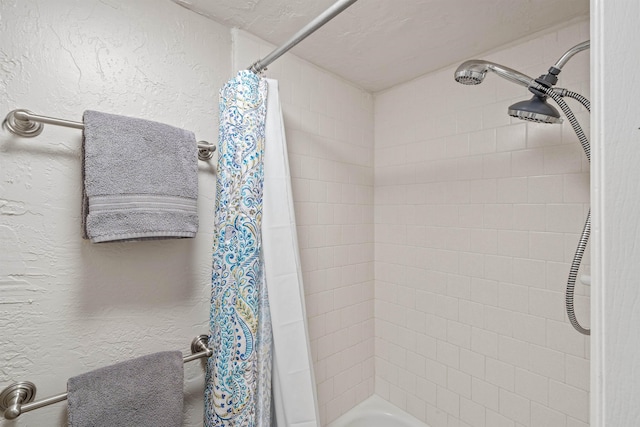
143	392
140	179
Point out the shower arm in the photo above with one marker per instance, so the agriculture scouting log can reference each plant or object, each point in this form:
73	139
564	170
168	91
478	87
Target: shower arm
551	78
570	53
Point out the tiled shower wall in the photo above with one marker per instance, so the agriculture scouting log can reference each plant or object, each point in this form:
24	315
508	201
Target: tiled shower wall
476	220
329	130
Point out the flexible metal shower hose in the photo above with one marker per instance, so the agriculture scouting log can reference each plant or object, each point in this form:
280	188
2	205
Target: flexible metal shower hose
573	273
569	94
556	95
572	118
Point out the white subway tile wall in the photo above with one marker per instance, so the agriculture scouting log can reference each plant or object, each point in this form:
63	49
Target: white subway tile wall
329	130
476	220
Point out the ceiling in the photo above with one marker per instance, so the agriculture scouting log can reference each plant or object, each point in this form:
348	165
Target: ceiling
379	43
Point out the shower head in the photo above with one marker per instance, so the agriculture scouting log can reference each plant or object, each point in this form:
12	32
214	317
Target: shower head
470	73
474	71
535	110
470	77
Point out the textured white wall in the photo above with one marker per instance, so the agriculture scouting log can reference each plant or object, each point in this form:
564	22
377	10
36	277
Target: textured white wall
477	217
68	306
329	129
616	365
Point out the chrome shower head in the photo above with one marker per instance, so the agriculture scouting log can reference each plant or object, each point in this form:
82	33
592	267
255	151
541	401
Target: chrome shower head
474	71
471	73
469	77
535	110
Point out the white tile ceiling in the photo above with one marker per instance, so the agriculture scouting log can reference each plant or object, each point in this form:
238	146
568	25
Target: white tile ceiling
379	43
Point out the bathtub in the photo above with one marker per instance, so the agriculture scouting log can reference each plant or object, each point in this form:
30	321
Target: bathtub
376	412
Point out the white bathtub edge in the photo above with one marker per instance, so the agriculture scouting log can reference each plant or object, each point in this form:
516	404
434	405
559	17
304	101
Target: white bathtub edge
376	404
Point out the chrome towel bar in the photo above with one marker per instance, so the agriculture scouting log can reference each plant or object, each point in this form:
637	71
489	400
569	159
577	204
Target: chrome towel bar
27	124
18	398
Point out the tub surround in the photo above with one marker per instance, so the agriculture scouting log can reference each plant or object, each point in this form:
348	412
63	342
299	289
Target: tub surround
477	218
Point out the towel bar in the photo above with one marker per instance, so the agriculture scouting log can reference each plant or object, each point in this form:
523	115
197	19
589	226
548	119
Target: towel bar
27	124
18	398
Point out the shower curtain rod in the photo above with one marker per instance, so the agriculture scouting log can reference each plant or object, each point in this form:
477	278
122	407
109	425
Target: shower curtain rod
18	398
311	27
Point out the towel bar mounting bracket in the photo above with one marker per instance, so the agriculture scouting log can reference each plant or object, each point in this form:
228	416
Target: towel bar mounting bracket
200	343
18	123
13	397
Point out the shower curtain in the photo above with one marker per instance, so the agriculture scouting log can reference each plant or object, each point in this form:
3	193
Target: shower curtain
253	250
294	389
238	383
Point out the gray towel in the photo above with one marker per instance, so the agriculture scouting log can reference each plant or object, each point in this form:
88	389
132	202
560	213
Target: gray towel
143	392
140	179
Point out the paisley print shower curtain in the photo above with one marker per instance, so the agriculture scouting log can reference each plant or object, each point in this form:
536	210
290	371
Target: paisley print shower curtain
238	381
